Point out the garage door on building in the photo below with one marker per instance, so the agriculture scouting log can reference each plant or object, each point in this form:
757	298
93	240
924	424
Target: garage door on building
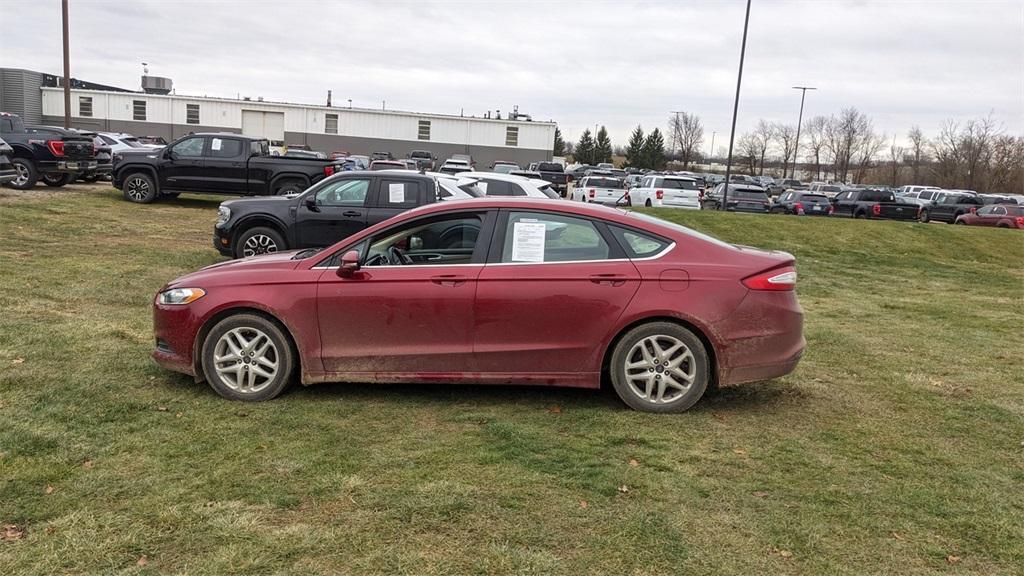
259	124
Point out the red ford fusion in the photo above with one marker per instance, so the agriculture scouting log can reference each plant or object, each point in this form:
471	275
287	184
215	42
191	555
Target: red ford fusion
492	291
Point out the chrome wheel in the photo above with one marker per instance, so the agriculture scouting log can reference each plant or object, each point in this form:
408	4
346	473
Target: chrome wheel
660	369
245	360
259	244
22	174
137	189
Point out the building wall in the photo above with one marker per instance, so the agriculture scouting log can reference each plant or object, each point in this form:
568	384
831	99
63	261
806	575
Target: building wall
19	94
359	130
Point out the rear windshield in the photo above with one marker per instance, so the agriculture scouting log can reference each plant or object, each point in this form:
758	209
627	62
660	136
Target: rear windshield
831	188
679	184
877	196
550	167
605	183
133	142
814	198
747	195
419	154
550	193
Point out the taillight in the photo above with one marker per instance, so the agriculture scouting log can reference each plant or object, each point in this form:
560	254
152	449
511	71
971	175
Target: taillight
831	209
973	210
1020	221
591	192
777	279
799	207
328	170
659	194
56	147
95	148
876	209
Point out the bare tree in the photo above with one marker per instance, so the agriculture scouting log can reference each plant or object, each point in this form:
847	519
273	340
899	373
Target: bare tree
918	153
895	162
946	148
762	134
785	135
687	132
815	131
1006	175
976	145
748	148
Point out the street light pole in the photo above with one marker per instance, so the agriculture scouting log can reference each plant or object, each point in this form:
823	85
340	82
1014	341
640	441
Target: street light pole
67	66
675	133
735	109
799	121
712	152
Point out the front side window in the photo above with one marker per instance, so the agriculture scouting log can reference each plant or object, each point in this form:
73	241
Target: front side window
346	192
450	239
534	237
189	148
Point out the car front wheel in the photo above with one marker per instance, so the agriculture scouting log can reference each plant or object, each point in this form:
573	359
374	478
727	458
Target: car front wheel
247	357
259	240
660	367
139	188
26	175
925	217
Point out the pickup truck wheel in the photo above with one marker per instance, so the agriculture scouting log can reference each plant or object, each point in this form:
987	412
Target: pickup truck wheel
289	187
924	216
859	214
259	240
26	174
139	188
55	180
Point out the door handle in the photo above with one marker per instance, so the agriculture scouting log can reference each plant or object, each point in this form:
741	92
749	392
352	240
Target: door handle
448	280
609	279
351	213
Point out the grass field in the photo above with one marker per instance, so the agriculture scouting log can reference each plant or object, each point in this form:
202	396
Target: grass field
897	447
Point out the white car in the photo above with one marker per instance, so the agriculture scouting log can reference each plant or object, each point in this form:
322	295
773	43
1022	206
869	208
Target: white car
829	190
669	191
119	141
919	195
606	190
455	166
498	184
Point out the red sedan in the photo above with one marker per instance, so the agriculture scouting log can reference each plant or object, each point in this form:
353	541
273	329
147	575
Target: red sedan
997	215
492	291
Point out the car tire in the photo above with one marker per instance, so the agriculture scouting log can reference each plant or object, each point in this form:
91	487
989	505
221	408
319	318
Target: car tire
647	203
289	187
640	378
961	222
859	214
248	357
259	240
139	188
91	178
56	180
925	217
27	174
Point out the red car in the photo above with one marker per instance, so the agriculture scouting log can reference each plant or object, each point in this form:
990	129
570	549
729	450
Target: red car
492	291
998	215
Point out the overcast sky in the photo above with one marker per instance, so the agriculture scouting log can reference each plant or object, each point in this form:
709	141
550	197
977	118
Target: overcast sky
578	63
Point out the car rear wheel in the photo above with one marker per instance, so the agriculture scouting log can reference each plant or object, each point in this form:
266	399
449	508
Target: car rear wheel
259	240
56	180
289	187
139	188
961	222
924	216
26	174
660	367
247	357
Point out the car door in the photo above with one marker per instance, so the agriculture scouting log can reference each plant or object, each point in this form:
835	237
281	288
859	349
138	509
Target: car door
224	167
396	194
992	216
415	318
333	210
552	287
845	202
181	165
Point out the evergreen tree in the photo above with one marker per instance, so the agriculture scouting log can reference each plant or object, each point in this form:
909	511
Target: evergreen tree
635	150
559	147
654	150
584	152
603	147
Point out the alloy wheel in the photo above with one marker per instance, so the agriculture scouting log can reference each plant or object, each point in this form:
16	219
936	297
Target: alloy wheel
137	189
22	174
246	360
660	369
259	244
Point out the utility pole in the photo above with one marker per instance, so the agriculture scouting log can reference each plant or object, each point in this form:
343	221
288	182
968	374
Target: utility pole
675	133
67	66
799	121
735	109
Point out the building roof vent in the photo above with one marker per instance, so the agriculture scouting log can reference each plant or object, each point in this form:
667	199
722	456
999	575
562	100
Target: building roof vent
156	85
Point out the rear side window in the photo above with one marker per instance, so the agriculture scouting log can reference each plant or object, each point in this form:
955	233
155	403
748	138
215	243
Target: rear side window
500	188
534	237
638	244
225	148
399	193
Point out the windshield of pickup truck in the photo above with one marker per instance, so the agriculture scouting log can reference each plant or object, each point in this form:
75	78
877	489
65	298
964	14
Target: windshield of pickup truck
550	167
604	183
678	184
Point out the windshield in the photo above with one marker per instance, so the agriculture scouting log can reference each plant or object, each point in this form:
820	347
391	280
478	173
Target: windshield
550	167
604	183
420	154
133	142
505	168
679	184
814	198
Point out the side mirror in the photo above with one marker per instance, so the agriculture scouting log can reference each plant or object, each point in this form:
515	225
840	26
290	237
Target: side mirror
349	264
310	202
169	154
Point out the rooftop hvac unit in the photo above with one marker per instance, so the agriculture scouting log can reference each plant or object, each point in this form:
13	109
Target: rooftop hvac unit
156	85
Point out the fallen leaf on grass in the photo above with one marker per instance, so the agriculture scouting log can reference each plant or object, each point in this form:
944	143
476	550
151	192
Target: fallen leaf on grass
760	494
624	489
785	553
583	504
143	560
161	408
17	361
49	489
633	462
896	535
12	532
50	530
718	416
241	414
555	409
952	559
739	451
177	415
87	464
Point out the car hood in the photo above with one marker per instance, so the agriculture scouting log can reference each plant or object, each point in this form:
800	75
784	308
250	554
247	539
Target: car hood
242	203
139	153
244	270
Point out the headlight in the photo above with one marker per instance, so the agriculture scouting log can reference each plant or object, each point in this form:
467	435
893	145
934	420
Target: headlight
223	215
180	295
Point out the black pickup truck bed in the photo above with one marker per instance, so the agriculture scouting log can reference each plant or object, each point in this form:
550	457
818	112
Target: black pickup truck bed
50	153
870	203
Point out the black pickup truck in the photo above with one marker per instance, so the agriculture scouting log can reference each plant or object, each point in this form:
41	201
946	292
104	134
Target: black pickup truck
329	211
54	154
215	164
555	173
871	203
947	207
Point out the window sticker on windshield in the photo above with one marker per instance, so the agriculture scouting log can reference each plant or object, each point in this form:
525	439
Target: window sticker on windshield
396	193
216	144
528	242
